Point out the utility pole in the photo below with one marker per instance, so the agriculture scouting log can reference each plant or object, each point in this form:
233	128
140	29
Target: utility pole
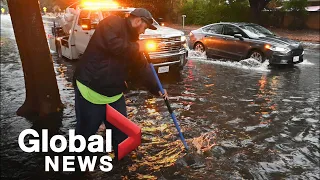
42	93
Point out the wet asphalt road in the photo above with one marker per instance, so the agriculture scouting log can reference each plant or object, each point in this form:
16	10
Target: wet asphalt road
241	120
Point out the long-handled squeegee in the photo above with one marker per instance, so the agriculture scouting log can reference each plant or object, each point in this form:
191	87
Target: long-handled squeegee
173	116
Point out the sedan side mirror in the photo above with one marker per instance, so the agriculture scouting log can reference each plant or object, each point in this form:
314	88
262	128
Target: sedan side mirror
86	24
239	36
161	21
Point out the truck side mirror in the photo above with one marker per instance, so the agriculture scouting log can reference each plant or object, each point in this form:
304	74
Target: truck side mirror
86	24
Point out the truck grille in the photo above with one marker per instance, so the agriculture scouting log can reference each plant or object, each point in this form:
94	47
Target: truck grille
296	52
163	60
172	44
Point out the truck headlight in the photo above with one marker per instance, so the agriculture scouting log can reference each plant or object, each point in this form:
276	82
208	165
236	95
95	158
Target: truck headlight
185	45
277	49
183	38
151	46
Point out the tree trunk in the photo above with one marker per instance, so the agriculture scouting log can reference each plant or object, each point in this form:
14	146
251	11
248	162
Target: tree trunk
255	14
42	93
256	7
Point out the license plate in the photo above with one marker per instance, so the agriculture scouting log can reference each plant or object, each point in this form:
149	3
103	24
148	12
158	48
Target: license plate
163	69
295	58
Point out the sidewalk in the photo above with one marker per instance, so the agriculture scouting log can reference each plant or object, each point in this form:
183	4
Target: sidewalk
299	35
48	18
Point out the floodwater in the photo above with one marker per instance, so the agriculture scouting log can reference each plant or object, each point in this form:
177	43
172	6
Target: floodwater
242	120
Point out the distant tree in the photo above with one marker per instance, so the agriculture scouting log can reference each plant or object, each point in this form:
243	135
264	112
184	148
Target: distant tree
273	4
256	7
158	8
56	9
50	4
4	5
236	1
296	5
298	10
203	12
46	3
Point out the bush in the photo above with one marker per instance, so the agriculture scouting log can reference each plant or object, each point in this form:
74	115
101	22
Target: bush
296	8
273	18
207	12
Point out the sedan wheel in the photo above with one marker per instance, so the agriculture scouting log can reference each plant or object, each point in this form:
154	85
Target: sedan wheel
257	56
199	47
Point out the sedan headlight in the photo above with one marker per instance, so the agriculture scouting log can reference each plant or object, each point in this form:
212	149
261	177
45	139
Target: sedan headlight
277	49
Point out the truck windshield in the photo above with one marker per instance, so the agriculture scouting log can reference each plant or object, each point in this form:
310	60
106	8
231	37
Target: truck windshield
122	14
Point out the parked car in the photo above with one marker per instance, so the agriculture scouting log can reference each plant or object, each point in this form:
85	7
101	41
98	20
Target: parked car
239	41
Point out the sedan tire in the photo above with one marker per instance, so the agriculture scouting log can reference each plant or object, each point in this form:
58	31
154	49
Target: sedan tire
198	46
257	55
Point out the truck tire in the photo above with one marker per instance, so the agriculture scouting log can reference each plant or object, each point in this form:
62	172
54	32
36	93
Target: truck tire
184	62
176	69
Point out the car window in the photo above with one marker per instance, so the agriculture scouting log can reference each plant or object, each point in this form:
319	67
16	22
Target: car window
94	17
252	32
206	29
83	14
258	30
231	30
216	29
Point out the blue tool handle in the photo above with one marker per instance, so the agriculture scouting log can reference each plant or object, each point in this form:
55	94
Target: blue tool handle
157	78
168	106
173	116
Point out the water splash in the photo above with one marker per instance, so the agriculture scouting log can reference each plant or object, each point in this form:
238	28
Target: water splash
247	64
204	142
311	45
196	55
161	149
306	62
251	62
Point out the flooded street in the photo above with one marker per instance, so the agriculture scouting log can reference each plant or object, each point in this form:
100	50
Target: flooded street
242	120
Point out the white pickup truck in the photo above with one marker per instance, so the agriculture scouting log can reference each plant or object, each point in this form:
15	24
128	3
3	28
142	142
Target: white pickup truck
70	37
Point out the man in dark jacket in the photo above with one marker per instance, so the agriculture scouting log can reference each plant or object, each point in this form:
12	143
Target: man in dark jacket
113	51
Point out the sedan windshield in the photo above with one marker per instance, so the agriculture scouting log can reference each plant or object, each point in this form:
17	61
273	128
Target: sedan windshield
256	31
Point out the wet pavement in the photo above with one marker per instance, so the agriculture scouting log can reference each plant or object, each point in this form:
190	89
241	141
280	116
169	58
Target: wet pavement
242	120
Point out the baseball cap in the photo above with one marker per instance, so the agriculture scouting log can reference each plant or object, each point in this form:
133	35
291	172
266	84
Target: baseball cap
145	15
